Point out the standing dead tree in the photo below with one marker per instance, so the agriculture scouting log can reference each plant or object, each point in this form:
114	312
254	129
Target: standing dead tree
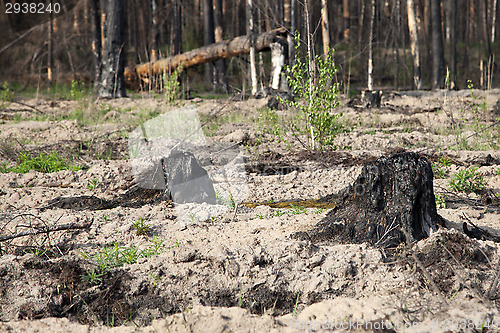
437	46
415	51
111	83
250	32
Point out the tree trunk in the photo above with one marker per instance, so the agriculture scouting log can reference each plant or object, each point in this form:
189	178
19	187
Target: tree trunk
111	83
346	18
361	20
493	20
229	48
176	31
391	202
287	7
325	27
50	47
209	39
486	31
291	35
437	46
370	47
220	64
453	42
96	39
154	30
415	51
253	67
278	61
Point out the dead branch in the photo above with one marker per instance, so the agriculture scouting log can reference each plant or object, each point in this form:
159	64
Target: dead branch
30	106
47	229
422	268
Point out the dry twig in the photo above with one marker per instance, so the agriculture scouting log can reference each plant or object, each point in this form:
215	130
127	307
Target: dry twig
47	229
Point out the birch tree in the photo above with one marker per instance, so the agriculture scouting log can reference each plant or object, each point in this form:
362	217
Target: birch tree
415	51
253	67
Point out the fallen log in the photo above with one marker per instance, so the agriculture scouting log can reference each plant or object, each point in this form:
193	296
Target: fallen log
210	53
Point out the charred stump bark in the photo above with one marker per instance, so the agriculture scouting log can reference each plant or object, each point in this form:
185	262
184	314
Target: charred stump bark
391	199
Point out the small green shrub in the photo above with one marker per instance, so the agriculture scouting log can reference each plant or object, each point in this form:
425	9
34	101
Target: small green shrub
444	161
171	85
6	94
78	91
313	84
467	180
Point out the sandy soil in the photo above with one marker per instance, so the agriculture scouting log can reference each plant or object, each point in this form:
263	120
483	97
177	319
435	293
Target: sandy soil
241	271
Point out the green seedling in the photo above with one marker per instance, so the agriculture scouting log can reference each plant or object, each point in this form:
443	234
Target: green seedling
93	276
156	278
227	201
84	254
297	210
319	210
140	226
439	171
37	251
193	217
444	161
296	305
155	248
440	200
92	184
467	180
279	213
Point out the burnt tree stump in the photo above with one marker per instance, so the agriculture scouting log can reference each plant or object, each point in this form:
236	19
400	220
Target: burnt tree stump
371	98
392	197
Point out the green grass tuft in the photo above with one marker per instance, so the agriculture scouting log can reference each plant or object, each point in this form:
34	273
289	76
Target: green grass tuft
467	180
46	163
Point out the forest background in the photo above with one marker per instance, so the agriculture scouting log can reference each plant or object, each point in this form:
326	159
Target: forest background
413	43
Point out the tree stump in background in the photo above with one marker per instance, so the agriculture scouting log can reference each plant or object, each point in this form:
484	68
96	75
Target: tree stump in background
371	98
391	199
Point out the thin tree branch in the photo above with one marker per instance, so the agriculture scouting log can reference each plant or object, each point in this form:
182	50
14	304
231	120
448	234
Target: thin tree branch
43	230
